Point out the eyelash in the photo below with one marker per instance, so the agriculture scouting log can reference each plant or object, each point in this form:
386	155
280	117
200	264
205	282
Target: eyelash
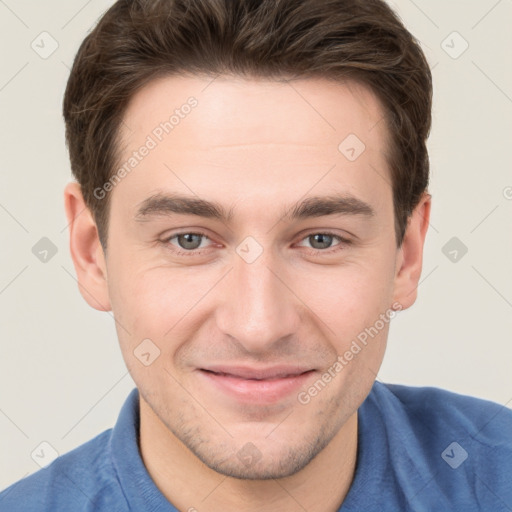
197	252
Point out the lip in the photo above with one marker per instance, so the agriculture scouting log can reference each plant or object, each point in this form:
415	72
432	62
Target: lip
248	372
260	386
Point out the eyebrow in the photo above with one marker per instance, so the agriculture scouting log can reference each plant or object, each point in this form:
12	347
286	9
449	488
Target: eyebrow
316	206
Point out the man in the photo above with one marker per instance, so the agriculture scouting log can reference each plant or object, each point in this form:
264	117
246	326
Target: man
252	206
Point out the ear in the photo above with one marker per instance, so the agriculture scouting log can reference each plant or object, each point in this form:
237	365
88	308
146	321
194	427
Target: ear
410	255
86	250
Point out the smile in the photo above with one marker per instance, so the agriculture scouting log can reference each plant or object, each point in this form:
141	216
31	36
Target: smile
253	389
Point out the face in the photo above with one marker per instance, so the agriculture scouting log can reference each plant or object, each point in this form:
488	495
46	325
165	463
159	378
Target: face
290	269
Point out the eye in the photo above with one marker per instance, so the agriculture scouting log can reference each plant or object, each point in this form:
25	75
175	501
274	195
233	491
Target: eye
189	241
321	242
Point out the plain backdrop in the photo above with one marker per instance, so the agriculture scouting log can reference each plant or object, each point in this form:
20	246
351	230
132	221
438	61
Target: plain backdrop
62	377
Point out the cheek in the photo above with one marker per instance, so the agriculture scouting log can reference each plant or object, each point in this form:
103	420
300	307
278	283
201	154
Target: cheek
347	297
159	303
349	301
146	306
148	301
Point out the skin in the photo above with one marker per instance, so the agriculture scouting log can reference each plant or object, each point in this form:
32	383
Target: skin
257	147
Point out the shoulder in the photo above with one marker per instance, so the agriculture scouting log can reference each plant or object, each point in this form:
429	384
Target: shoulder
437	408
453	447
82	480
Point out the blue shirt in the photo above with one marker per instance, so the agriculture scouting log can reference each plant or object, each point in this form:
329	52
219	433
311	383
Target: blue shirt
419	449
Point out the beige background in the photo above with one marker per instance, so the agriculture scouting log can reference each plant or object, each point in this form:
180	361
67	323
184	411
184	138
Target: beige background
62	378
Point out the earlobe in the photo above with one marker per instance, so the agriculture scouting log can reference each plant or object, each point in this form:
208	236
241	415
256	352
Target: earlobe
410	255
86	250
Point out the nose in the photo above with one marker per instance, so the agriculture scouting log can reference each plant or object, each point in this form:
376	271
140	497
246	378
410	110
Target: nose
259	310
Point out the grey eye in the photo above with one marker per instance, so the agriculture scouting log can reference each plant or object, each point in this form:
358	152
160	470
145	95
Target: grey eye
189	240
322	240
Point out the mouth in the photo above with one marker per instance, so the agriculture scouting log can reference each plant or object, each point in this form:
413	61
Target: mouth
263	386
256	378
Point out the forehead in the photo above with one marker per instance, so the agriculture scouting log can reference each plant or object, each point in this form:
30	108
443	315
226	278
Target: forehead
255	139
314	108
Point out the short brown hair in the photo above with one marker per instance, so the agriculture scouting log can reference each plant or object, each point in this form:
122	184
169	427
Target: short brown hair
136	41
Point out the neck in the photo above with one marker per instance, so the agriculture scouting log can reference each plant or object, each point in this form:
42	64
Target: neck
190	485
